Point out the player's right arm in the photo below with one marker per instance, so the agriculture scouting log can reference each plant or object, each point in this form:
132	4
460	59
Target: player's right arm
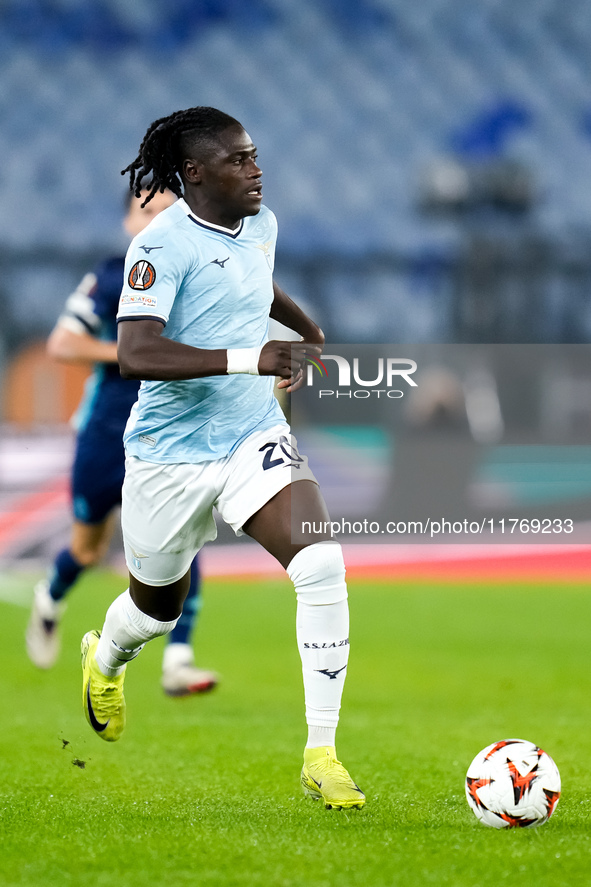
144	353
152	281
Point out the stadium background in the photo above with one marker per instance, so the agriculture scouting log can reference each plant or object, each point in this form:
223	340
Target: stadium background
430	166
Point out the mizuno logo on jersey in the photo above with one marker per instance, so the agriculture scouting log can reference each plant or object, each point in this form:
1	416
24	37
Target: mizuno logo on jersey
142	276
220	262
148	249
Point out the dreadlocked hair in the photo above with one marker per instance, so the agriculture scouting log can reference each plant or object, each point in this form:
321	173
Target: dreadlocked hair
166	144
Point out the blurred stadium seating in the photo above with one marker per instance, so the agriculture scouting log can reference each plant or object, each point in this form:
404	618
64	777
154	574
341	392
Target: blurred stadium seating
354	105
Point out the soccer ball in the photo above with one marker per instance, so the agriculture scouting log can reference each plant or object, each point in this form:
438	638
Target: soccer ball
513	784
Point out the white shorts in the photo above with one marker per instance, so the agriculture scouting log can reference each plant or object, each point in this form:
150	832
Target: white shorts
167	509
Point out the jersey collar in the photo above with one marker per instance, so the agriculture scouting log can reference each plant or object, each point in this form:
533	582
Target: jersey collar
209	225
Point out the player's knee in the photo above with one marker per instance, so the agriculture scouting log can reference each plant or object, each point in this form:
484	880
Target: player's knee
318	574
88	556
89	544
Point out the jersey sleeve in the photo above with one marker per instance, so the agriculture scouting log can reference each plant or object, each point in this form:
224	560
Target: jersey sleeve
79	312
153	276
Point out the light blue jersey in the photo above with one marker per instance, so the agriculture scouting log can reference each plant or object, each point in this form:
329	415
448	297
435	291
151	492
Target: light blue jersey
212	288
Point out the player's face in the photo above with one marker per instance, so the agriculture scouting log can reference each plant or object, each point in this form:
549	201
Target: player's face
137	218
229	180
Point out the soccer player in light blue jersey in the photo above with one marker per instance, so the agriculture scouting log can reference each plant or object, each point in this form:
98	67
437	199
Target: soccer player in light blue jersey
207	431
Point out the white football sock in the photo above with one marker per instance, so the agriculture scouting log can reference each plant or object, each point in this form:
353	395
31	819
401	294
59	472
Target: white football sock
322	624
124	633
176	655
319	737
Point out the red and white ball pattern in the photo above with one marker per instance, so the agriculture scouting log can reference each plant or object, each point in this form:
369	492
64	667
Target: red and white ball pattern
513	784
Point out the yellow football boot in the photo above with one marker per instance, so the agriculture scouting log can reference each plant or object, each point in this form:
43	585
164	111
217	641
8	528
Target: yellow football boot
102	696
323	776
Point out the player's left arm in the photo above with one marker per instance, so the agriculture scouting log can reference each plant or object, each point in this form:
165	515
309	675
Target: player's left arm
285	311
68	346
291	315
76	336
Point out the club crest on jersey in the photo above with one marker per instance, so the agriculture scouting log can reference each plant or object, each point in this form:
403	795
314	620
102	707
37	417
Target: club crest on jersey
142	275
265	248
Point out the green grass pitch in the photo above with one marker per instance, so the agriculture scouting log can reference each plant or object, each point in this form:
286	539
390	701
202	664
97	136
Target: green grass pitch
205	791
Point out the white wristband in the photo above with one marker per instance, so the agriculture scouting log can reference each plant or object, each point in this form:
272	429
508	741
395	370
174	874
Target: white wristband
244	360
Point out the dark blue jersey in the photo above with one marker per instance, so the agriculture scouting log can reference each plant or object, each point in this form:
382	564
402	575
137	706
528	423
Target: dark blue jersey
99	463
92	308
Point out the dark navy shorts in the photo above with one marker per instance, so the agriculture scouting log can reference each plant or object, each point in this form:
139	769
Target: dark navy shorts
97	476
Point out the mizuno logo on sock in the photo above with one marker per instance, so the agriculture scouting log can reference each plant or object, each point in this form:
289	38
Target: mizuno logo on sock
96	725
330	674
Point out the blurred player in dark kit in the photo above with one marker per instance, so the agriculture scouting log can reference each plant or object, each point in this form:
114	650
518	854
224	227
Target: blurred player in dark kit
86	333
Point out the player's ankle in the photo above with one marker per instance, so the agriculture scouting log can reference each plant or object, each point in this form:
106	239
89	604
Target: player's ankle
319	737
